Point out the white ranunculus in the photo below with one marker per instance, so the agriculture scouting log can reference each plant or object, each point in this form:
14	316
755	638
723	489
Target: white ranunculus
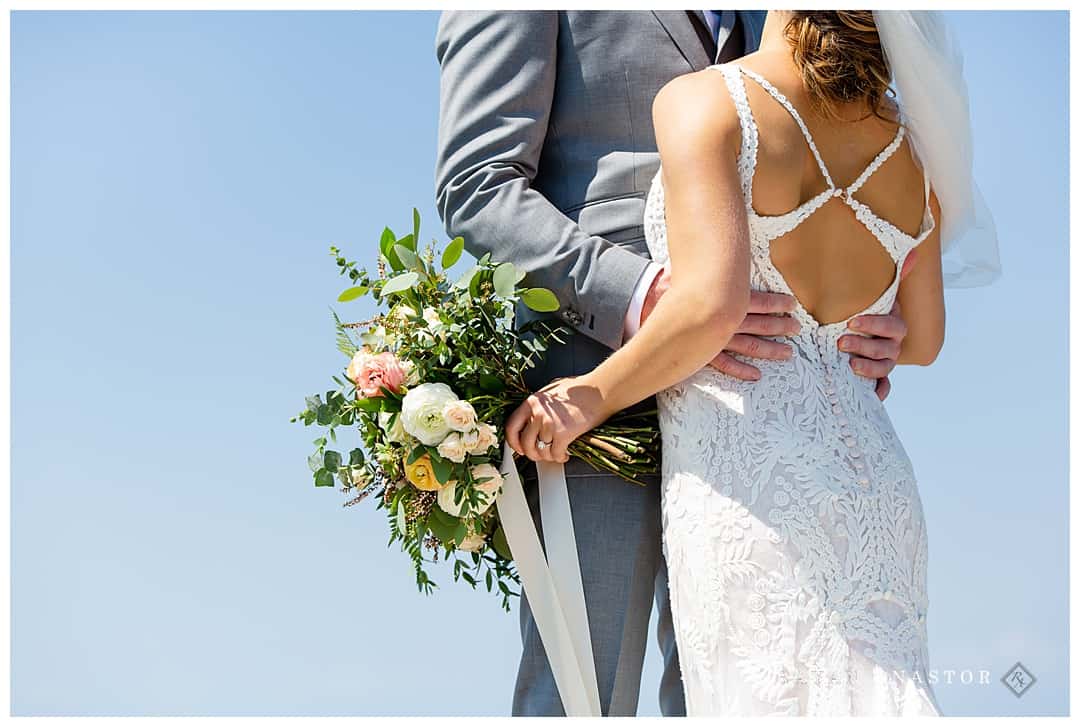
412	374
435	324
490	489
403	311
452	447
422	412
395	433
460	415
486	438
378	338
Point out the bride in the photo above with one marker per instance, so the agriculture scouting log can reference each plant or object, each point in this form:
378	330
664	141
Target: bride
793	528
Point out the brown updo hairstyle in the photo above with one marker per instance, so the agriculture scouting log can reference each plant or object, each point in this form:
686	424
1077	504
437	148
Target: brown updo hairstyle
839	55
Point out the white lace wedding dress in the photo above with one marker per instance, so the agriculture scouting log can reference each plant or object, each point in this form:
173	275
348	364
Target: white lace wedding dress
793	530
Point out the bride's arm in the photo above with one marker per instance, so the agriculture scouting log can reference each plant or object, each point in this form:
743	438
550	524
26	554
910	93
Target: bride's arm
922	300
698	136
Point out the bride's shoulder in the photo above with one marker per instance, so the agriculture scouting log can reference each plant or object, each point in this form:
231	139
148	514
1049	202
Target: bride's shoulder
695	108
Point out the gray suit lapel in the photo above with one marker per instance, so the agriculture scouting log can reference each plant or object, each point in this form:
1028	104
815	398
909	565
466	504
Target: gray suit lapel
678	26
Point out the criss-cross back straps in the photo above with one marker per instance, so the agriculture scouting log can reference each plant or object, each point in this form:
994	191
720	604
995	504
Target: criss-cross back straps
872	167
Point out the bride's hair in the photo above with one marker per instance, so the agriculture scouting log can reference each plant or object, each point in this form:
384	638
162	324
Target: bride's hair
839	55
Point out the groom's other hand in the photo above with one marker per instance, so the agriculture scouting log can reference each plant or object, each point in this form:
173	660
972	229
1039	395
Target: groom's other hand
769	314
874	352
875	356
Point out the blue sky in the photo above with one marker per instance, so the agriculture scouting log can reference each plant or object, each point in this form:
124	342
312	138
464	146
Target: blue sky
177	179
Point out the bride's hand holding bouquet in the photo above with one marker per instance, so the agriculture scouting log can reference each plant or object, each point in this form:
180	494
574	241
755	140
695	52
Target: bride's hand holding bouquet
429	383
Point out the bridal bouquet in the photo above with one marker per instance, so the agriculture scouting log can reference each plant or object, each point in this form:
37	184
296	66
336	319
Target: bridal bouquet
429	381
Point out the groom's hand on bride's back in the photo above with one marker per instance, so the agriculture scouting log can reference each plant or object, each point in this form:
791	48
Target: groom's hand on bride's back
873	353
769	314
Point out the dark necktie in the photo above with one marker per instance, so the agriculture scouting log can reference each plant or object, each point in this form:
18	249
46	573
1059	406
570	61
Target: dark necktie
727	34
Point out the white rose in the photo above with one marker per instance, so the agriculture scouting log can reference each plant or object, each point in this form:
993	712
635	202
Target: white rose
485	438
470	440
452	447
490	489
472	543
487	491
445	499
395	433
460	415
422	412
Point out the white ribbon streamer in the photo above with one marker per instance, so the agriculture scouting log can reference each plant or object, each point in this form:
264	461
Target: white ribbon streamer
552	584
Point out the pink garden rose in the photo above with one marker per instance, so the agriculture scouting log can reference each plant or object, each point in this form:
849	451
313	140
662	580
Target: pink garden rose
370	371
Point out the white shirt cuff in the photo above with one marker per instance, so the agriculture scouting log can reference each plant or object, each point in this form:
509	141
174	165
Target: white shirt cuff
632	322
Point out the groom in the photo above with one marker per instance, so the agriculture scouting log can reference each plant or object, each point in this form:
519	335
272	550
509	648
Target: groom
546	152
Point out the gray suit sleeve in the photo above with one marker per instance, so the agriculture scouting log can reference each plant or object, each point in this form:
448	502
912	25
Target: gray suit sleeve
497	82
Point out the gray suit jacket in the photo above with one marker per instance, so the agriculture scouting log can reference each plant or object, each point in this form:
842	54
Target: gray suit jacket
546	151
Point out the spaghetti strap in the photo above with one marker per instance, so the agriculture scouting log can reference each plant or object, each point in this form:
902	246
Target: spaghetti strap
881	158
748	154
783	101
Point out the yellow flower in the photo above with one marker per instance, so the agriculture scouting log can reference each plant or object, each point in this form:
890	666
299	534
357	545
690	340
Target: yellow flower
422	475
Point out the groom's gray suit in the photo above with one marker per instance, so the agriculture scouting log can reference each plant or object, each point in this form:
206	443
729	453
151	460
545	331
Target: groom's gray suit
546	152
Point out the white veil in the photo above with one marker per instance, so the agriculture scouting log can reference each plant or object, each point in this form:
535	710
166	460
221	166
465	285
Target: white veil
927	72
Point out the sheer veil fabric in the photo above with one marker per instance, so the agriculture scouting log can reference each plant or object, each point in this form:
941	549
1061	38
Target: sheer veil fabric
927	71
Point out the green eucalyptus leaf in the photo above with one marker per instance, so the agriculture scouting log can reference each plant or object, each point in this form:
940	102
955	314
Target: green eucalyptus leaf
315	462
352	293
324	478
400	283
386	242
356	457
540	300
408	242
407	257
400	517
415	226
466	280
395	262
452	253
443	517
474	284
332	460
439	527
503	279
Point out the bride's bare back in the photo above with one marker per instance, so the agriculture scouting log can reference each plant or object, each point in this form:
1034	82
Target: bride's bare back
831	261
